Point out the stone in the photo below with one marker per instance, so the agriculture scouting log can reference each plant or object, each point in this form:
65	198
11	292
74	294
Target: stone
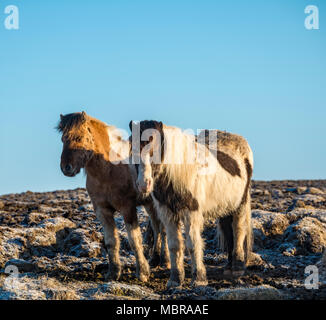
269	223
122	289
301	190
308	235
22	265
311	198
82	243
263	292
313	190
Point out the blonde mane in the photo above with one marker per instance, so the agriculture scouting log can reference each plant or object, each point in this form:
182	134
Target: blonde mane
179	163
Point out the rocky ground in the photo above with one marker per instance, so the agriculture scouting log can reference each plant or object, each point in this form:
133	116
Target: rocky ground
51	247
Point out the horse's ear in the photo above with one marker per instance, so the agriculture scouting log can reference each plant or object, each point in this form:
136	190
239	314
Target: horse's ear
84	115
61	117
161	125
132	123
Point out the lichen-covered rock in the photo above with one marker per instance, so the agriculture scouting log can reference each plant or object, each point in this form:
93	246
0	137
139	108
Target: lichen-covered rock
270	223
267	225
26	242
308	235
122	289
263	292
12	243
82	243
299	213
313	190
45	233
311	198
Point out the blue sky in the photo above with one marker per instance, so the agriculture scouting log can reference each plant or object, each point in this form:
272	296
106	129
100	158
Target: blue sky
248	67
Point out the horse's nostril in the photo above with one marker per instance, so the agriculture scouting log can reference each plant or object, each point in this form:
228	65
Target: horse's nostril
68	168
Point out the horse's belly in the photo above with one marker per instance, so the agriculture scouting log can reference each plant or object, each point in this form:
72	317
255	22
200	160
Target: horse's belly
221	197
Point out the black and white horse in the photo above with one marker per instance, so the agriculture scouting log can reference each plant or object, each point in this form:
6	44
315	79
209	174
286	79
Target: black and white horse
193	178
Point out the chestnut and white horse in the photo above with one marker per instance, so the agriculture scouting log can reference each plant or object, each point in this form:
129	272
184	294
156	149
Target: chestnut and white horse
193	178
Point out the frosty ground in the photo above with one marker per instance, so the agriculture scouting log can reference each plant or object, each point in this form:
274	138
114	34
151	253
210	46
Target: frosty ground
52	244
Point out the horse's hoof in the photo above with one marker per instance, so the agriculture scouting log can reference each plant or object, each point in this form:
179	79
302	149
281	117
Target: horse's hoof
172	284
199	277
154	261
199	283
165	262
113	273
176	279
143	277
238	273
144	273
227	270
238	268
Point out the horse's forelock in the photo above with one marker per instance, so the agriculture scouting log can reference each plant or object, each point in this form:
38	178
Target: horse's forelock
150	124
70	121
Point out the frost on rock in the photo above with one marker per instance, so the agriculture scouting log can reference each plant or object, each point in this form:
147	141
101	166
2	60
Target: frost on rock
55	243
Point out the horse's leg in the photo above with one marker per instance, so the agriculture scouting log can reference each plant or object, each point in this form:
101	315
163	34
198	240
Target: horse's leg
135	241
149	235
226	243
175	244
155	225
193	221
111	241
240	232
164	256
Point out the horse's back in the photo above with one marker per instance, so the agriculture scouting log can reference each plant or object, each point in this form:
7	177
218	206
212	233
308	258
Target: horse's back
230	143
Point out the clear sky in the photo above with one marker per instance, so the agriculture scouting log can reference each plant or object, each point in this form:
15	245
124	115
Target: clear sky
248	67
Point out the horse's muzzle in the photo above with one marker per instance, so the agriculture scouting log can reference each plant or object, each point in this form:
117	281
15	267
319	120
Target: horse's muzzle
69	171
145	187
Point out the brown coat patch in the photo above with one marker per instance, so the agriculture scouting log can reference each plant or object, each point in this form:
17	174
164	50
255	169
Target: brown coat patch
227	162
175	200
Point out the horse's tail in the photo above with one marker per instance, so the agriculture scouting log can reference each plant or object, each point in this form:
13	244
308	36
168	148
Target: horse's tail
224	234
249	240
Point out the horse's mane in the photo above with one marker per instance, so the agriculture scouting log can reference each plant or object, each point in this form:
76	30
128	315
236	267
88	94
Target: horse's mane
178	164
73	120
70	121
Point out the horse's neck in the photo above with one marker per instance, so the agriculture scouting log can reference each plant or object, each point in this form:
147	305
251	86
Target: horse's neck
97	167
106	149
